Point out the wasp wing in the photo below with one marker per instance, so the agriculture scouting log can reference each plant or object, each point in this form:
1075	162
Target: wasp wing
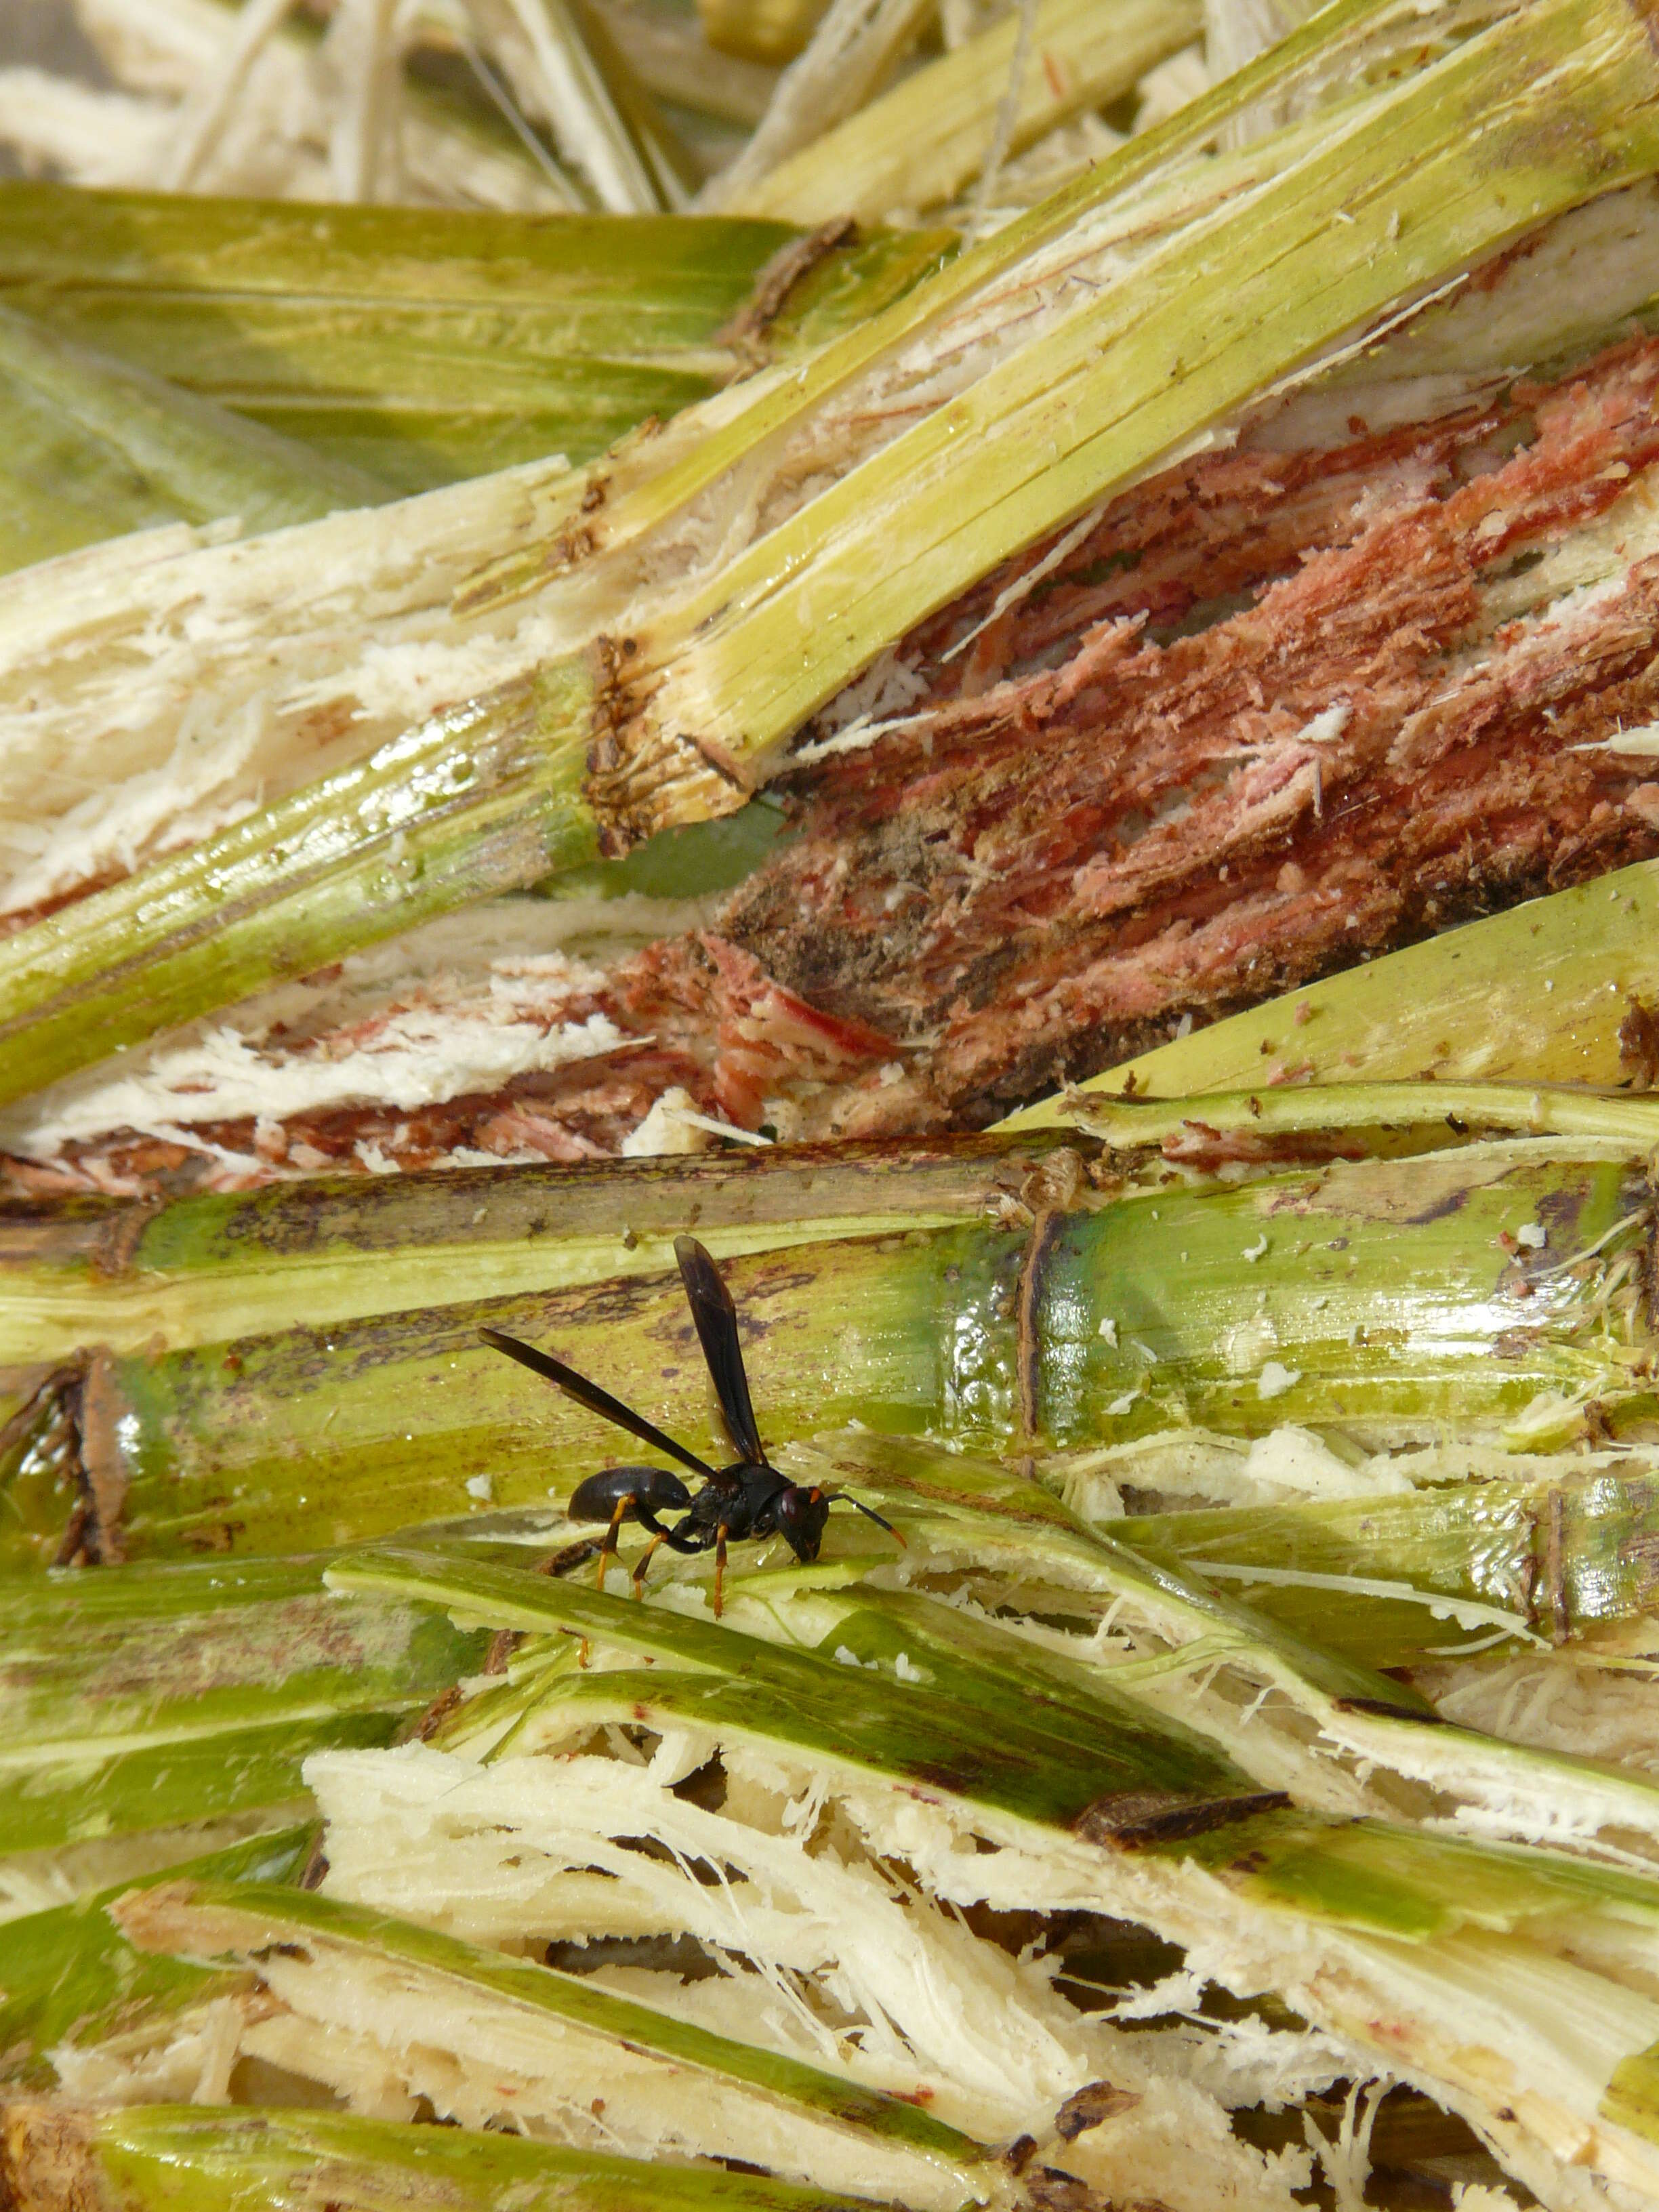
716	1318
596	1400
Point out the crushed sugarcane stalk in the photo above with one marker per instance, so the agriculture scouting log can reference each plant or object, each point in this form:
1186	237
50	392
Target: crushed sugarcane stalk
1151	1706
689	721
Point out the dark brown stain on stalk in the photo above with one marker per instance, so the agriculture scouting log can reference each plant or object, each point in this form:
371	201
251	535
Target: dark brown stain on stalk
87	1402
1558	1211
1554	1565
792	263
119	1239
1452	1201
1638	1045
1029	1343
1135	1818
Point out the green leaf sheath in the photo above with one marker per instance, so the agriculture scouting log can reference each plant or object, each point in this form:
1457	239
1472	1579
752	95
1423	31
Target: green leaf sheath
421	345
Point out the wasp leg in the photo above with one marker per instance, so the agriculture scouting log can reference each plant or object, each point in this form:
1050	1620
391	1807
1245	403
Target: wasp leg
720	1568
676	1540
608	1548
644	1561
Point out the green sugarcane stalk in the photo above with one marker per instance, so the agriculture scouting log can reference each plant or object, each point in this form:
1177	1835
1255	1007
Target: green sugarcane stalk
847	2134
949	1506
1038	1743
1557	100
128	1274
1382	1886
1234	1307
71	1972
1565	1556
162	1695
1538	995
95	447
1001	1728
482	799
145	2157
424	345
198	1270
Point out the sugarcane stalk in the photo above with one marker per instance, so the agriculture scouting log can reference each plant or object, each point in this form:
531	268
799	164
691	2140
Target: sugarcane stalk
138	2158
1185	1618
1401	1900
1543	994
1372	1577
920	143
1234	1306
1184	1624
95	448
1054	1744
70	1972
155	1697
407	1417
485	798
692	2087
197	1270
728	664
998	1729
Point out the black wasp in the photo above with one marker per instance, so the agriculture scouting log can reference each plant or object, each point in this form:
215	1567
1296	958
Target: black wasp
750	1498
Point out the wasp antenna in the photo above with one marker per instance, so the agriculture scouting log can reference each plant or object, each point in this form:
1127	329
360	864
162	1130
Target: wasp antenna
870	1514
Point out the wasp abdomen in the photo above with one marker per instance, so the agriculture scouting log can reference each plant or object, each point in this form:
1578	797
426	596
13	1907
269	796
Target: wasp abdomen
597	1496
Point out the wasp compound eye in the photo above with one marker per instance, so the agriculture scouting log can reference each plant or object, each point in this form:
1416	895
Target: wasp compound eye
801	1515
